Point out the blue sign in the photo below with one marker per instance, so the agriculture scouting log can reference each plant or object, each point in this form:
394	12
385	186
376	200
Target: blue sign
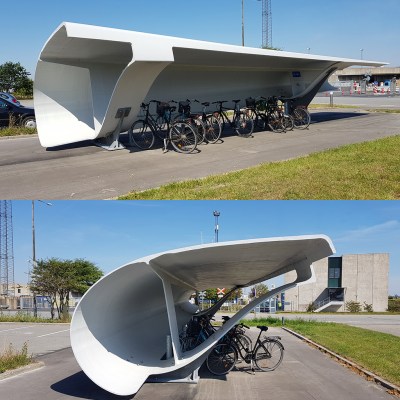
296	74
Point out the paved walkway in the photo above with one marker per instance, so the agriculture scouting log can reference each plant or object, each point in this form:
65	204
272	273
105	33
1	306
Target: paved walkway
83	171
304	374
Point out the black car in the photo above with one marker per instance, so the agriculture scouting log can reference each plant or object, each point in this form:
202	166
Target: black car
18	114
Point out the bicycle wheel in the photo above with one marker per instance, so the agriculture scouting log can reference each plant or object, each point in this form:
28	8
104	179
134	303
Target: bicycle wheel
288	123
269	354
141	134
213	129
201	129
301	118
244	125
275	123
183	137
245	341
222	359
221	119
162	126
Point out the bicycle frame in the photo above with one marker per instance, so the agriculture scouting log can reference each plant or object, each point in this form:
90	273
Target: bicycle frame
222	111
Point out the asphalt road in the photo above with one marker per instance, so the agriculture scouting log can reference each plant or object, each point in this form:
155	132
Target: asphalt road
362	101
386	323
84	171
304	374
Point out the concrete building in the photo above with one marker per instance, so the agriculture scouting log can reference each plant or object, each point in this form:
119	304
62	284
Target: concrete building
365	80
352	277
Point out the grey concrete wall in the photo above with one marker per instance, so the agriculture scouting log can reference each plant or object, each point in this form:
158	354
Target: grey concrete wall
303	295
364	277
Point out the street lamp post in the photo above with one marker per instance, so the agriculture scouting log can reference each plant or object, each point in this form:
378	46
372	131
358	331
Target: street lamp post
34	249
361	51
216	229
242	22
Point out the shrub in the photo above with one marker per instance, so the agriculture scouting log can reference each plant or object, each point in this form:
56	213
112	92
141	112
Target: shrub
394	305
311	307
353	306
367	307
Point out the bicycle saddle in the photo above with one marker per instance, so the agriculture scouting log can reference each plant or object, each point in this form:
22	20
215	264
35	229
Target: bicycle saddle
263	328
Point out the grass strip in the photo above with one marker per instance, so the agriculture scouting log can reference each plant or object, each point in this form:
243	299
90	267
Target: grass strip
368	170
12	359
375	351
378	110
17	131
26	317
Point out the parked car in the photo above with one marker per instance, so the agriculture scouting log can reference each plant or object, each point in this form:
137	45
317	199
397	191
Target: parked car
20	115
9	97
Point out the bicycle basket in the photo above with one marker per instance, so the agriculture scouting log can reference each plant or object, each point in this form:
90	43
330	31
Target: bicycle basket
250	102
184	107
261	105
162	108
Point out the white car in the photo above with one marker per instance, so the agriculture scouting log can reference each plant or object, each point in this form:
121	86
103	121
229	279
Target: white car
9	97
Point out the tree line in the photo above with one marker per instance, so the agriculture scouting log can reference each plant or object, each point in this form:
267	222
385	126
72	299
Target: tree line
56	279
256	291
14	78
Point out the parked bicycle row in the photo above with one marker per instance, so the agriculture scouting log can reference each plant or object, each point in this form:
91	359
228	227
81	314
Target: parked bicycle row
265	354
174	122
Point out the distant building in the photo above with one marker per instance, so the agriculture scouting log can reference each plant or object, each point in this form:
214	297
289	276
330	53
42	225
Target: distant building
359	277
365	80
22	298
380	74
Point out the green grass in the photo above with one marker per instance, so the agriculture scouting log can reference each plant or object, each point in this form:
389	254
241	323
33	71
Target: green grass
367	170
26	317
17	131
375	351
380	110
11	359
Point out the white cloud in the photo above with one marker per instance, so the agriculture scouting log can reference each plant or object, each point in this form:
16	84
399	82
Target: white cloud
366	232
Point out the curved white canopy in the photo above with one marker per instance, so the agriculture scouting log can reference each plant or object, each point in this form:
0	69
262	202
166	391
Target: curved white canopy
86	73
119	329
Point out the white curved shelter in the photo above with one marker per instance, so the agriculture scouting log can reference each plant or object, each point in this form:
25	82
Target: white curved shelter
88	77
119	329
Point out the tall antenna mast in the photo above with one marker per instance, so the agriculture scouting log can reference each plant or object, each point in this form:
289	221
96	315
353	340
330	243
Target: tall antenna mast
266	24
6	249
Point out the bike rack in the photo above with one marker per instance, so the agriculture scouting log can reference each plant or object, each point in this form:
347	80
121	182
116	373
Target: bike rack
112	142
193	377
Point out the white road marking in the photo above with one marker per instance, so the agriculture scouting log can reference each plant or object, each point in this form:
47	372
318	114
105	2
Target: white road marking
15	329
53	333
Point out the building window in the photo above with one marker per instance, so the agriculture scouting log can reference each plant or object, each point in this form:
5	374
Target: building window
334	272
19	290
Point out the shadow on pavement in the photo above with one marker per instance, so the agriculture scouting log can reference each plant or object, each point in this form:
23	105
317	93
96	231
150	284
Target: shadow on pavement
325	116
81	387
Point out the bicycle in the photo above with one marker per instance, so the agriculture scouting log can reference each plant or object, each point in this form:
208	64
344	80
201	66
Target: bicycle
185	115
266	354
238	333
266	112
213	128
257	108
277	120
195	332
301	116
180	134
241	121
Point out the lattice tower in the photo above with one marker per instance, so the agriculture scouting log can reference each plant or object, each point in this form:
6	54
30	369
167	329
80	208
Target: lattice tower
6	249
266	23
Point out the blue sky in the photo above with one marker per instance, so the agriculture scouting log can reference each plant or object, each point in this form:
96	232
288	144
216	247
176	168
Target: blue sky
111	233
328	27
